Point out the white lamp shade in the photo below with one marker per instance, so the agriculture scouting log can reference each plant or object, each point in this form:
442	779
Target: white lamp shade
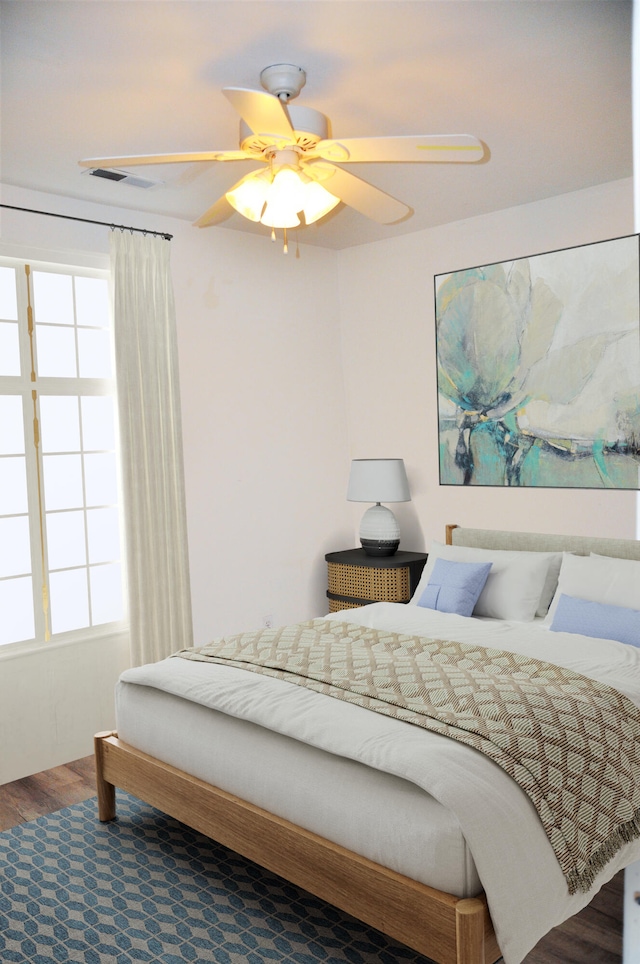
249	196
284	199
276	196
378	480
317	202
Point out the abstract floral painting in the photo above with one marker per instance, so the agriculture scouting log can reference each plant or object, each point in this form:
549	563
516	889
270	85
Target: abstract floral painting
539	370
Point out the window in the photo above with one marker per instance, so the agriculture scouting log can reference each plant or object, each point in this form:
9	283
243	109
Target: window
60	532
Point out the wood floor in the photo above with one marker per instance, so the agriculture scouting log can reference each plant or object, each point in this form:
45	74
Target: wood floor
46	792
592	937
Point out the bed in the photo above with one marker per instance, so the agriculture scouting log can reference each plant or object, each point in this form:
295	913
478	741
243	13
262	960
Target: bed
428	840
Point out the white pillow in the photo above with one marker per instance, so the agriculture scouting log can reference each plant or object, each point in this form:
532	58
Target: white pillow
515	585
550	583
600	579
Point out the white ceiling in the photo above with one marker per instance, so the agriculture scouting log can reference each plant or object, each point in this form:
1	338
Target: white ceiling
545	84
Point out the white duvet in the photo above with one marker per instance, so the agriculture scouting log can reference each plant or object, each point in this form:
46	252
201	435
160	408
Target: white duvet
525	888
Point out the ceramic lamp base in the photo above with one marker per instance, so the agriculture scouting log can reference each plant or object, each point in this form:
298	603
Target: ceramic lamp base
379	531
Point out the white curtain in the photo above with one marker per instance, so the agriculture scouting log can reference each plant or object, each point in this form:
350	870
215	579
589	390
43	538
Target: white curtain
151	439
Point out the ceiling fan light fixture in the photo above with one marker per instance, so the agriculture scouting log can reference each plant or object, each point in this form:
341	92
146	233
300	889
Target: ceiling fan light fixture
276	200
250	195
317	202
279	216
286	193
284	199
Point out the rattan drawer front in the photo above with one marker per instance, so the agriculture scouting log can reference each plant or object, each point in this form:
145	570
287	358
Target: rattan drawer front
337	605
367	582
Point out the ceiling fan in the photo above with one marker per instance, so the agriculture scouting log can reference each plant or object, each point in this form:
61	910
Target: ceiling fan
301	171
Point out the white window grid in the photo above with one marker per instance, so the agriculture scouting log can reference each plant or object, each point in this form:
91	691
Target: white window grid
24	386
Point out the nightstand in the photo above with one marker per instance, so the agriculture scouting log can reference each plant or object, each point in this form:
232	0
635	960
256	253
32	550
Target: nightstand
356	579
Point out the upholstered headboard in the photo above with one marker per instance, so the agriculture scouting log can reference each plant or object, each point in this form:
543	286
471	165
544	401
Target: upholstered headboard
541	542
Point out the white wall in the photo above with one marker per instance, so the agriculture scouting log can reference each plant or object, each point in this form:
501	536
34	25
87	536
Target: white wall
388	330
265	429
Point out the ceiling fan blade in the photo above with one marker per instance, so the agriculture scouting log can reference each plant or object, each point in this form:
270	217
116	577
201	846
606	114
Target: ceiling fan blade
218	212
438	148
141	159
358	194
263	112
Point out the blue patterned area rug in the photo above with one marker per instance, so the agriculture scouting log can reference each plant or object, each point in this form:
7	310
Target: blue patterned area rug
147	889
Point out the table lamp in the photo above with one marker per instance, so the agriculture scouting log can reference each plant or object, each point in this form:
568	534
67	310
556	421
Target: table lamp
378	480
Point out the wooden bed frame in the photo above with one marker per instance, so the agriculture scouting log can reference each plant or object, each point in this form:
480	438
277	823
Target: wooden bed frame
447	929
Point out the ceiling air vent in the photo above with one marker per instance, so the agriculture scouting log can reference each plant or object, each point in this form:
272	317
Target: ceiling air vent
134	180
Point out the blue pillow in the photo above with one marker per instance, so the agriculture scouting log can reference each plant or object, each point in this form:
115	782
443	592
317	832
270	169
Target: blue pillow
597	619
454	587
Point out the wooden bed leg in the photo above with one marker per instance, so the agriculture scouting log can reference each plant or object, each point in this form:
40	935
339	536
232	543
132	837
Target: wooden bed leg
106	791
470	915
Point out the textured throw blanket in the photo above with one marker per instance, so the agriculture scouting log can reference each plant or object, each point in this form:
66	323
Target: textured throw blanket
571	743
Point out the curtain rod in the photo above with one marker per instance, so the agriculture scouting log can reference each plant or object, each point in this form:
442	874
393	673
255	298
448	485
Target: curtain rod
106	224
